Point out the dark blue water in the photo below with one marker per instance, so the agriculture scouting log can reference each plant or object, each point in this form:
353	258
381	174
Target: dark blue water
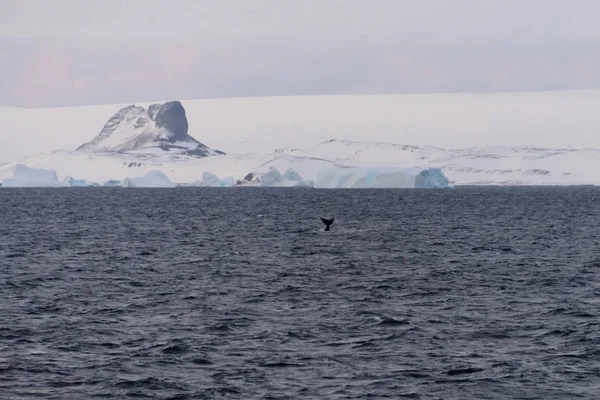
471	293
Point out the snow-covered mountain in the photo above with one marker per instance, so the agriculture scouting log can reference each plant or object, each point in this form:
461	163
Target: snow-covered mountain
505	139
559	119
161	127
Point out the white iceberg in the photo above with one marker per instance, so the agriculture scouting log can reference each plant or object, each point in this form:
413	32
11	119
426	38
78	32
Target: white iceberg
78	183
292	175
69	181
291	178
112	183
272	178
152	179
431	178
305	184
211	180
227	182
25	176
350	178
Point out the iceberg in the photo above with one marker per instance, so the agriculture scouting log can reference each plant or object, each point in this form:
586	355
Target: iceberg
431	178
305	184
227	182
292	175
69	181
112	183
78	183
211	180
152	179
272	178
350	178
291	178
25	176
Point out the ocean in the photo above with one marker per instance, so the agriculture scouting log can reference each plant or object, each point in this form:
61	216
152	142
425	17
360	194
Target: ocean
238	293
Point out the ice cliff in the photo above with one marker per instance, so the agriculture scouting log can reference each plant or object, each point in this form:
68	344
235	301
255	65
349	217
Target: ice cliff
25	176
152	179
350	178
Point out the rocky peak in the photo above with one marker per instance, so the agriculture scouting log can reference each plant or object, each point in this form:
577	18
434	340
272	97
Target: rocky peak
162	126
170	116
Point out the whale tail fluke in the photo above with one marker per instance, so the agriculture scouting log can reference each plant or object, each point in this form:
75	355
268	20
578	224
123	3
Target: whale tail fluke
327	222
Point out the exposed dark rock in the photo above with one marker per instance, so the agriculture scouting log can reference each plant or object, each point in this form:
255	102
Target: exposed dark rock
163	126
171	116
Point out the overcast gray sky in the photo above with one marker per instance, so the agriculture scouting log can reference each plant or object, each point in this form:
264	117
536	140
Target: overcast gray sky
76	52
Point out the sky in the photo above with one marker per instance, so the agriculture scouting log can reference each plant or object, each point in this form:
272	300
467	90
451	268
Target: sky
73	52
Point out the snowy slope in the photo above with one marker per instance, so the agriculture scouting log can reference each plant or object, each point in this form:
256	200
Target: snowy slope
246	125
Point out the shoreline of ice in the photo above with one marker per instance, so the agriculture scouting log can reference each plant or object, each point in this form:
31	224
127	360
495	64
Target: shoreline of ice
330	178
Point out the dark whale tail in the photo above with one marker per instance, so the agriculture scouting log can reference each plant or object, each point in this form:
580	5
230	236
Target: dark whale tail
327	222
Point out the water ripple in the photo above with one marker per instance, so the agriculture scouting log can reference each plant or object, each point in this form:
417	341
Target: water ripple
486	293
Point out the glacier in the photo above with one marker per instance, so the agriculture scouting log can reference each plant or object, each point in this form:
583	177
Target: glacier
392	178
152	179
25	176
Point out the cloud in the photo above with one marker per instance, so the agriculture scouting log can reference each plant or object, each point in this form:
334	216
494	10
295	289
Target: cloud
48	74
434	21
44	73
69	52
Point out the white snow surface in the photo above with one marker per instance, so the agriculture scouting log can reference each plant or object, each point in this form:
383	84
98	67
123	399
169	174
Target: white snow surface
541	138
263	124
128	129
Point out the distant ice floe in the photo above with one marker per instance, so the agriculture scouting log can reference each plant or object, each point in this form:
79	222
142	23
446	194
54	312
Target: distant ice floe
152	179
